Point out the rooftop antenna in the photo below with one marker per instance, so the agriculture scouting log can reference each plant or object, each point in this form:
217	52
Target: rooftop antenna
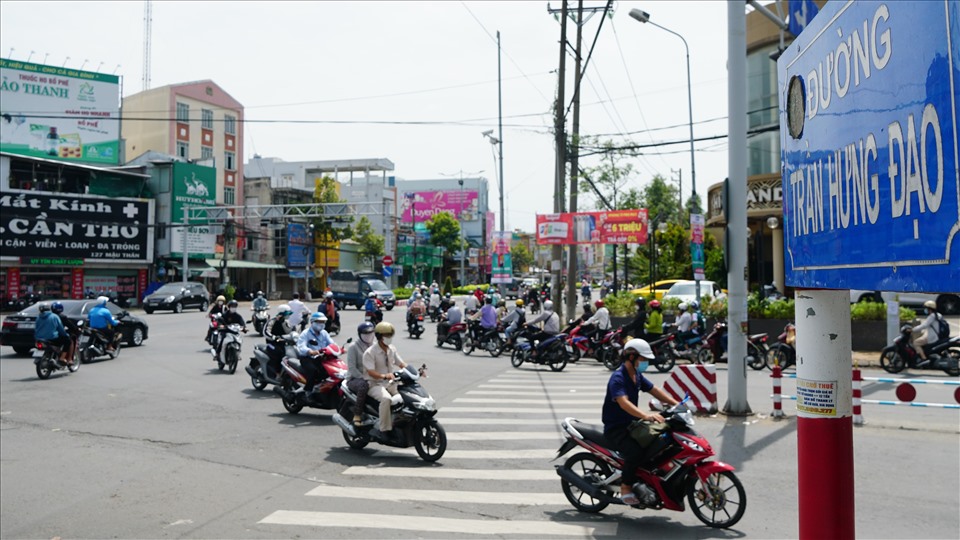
147	38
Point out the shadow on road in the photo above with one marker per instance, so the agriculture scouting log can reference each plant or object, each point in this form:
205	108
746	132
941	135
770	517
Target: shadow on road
734	432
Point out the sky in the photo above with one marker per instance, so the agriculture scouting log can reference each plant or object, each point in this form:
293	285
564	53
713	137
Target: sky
416	82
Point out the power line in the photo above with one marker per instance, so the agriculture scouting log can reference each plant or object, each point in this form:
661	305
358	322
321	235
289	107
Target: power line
627	148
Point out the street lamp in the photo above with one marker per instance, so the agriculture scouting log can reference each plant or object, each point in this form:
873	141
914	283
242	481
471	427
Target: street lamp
644	17
494	141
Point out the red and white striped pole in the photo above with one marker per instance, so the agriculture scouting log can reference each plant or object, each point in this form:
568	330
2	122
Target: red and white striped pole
824	423
857	395
777	399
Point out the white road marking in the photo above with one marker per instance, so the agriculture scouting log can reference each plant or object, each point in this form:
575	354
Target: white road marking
564	393
479	454
439	495
440	525
543	401
520	410
457	474
504	435
447	421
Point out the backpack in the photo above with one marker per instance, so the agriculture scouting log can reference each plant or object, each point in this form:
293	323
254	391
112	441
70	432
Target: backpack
943	330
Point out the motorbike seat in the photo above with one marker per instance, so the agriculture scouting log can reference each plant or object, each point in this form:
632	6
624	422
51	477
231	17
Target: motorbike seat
592	433
753	337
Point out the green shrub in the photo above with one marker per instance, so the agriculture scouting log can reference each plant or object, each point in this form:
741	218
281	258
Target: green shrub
779	309
403	294
621	304
669	305
468	289
448	286
713	308
877	311
229	291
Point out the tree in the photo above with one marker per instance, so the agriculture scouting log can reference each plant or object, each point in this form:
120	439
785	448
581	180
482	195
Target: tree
329	230
371	243
609	178
444	232
662	199
521	257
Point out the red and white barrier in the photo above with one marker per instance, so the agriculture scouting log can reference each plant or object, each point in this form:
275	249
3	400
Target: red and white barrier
700	381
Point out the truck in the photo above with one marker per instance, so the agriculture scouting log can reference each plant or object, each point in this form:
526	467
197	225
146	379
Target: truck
350	288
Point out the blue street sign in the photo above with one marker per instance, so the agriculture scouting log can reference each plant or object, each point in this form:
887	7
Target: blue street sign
387	271
801	13
868	128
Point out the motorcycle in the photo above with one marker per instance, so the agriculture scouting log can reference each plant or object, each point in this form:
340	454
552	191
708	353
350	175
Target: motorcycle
213	336
582	345
375	316
434	313
663	359
680	469
783	352
608	350
553	351
715	347
455	335
943	354
260	369
413	420
46	356
259	319
332	325
685	348
326	393
490	340
230	350
415	326
93	344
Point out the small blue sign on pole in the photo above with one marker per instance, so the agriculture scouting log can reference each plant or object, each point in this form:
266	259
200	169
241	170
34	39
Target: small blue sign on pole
869	113
801	13
387	271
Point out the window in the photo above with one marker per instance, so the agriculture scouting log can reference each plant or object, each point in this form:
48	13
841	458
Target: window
230	158
230	124
183	112
229	195
183	150
206	118
280	243
251	242
206	152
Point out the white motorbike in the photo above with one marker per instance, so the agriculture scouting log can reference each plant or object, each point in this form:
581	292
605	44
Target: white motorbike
232	342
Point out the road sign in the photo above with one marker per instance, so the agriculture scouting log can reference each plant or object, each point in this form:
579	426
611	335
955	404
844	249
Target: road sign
387	260
868	129
387	271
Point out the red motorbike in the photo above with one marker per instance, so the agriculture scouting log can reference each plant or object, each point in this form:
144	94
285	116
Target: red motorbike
326	394
679	469
581	345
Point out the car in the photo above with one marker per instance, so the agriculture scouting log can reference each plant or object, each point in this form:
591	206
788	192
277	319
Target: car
509	290
947	303
686	290
17	329
659	288
176	297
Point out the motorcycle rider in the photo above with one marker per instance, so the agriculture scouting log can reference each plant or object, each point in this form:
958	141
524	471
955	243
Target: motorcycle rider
451	317
686	323
620	410
585	291
487	316
446	302
494	295
215	309
273	332
50	328
103	321
329	308
654	324
929	327
300	311
73	331
501	310
551	325
471	303
309	352
415	309
380	362
229	316
636	327
434	300
514	319
260	302
598	324
372	307
356	381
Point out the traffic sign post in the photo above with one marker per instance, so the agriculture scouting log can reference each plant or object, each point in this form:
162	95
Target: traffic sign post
387	260
871	200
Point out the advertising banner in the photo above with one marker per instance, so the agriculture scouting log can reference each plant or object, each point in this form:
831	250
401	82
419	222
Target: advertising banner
502	266
13	282
141	284
613	227
193	185
491	228
76	283
59	113
696	245
299	246
59	226
464	205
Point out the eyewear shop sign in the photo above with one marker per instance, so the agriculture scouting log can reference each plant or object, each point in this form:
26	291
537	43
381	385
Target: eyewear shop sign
54	226
614	227
869	109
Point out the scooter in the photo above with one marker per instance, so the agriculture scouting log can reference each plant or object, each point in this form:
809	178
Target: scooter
259	319
263	370
455	335
553	351
491	340
434	313
92	344
686	347
715	347
415	326
332	325
46	356
783	352
213	336
680	469
230	349
662	347
608	350
943	354
375	316
326	394
414	422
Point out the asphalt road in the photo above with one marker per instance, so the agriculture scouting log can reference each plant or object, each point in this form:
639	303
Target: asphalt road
158	444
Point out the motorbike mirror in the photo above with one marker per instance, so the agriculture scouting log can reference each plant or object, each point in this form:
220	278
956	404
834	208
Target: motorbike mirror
349	340
655	404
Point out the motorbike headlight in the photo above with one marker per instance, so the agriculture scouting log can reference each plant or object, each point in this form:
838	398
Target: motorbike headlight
426	405
169	299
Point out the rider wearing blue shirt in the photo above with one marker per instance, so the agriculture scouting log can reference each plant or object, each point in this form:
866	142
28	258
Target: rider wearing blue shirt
50	328
103	321
310	352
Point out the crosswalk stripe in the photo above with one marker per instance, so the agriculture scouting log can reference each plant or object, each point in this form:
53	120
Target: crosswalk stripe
541	401
560	387
504	421
565	393
534	453
455	474
504	435
440	525
430	495
520	410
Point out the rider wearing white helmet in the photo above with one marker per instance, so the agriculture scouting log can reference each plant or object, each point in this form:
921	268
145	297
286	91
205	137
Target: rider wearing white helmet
551	324
620	410
273	332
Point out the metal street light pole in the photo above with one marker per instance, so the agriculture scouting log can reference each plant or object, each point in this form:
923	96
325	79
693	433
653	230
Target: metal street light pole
460	218
644	17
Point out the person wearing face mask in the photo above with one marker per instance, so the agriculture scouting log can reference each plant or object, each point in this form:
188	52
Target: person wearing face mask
380	361
620	410
228	317
216	309
355	370
310	352
930	328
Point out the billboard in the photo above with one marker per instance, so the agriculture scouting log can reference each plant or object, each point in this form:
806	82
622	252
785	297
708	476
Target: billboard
64	229
300	249
502	265
868	128
613	227
193	185
464	205
59	113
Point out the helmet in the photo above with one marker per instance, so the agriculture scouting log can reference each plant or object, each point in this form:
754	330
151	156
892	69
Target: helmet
640	302
416	296
598	303
384	329
221	298
488	300
519	303
654	304
446	295
44	306
259	293
57	307
639	346
501	303
318	317
372	295
365	327
328	294
102	300
232	303
930	304
694	305
548	305
682	306
284	309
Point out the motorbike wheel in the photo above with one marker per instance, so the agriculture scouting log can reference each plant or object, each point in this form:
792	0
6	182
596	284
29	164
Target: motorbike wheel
664	363
291	403
357	443
116	351
611	360
955	355
258	383
574	356
560	361
72	368
468	345
705	356
43	369
431	441
777	357
718	502
594	471
892	362
494	346
758	355
517	357
457	343
220	365
439	341
232	360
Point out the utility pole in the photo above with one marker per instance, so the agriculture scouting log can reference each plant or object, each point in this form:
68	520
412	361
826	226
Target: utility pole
679	178
561	164
574	166
500	126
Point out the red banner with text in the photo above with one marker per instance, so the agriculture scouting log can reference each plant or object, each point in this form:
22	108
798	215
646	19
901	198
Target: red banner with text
76	283
13	283
614	227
